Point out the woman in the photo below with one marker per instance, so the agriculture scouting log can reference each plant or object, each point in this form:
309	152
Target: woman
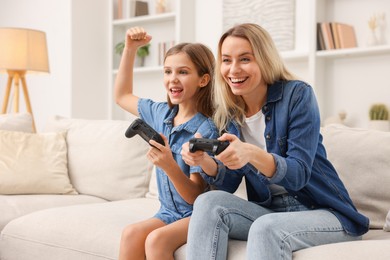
295	197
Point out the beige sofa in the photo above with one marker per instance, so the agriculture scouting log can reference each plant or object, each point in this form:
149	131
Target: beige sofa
108	183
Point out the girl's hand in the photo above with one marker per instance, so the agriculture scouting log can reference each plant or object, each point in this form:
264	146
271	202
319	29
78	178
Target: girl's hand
192	159
161	155
136	37
235	155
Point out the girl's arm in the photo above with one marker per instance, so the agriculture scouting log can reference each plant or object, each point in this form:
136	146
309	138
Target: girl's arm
188	188
123	90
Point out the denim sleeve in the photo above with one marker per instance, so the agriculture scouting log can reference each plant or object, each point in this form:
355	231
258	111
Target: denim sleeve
293	170
153	113
219	178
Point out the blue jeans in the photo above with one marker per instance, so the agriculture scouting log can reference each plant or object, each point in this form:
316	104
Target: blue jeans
272	233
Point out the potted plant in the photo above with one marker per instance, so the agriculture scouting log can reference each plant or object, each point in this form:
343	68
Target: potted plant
379	117
142	51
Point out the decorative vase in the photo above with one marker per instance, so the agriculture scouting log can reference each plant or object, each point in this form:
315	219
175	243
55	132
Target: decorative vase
381	125
373	40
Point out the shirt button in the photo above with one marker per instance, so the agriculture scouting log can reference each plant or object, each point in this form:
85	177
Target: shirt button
268	137
265	108
268	118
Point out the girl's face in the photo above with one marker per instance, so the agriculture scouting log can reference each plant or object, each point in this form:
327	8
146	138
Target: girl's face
239	67
181	78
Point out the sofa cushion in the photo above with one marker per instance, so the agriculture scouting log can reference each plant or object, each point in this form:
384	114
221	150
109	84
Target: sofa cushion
361	158
16	122
90	231
33	163
102	162
14	206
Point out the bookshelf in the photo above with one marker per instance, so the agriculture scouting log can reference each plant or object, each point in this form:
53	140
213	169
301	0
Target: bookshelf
176	24
343	79
351	79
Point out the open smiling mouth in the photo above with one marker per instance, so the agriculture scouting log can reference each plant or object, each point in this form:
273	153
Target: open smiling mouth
238	80
176	91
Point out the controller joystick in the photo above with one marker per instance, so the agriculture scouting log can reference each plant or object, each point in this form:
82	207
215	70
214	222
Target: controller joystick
138	126
213	146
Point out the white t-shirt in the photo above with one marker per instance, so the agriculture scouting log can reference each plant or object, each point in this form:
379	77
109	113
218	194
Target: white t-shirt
253	132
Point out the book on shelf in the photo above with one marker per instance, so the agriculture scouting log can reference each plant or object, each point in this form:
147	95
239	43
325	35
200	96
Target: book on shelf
141	8
163	47
320	38
347	35
335	35
118	9
327	35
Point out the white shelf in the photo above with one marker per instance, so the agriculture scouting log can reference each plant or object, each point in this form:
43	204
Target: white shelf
135	21
354	52
145	70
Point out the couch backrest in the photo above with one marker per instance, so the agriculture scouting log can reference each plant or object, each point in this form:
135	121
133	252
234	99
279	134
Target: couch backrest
102	162
362	160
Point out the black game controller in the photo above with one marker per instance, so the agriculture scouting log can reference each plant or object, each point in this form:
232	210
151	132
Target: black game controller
208	145
138	126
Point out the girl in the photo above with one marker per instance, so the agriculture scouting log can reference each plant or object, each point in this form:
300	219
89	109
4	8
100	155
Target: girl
296	199
188	78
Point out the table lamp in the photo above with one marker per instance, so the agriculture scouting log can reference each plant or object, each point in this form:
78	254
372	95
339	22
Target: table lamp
21	51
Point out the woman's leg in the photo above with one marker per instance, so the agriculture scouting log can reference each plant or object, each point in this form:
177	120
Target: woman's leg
133	238
217	216
278	235
162	243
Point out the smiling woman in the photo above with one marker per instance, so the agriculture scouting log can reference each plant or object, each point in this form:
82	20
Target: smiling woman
272	123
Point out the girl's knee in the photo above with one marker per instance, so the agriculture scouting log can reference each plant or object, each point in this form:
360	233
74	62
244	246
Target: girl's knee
156	245
130	232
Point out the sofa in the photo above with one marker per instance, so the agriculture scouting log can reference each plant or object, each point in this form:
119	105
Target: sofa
68	191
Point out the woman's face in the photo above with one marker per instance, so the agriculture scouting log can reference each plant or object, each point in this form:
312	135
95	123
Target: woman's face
181	78
239	67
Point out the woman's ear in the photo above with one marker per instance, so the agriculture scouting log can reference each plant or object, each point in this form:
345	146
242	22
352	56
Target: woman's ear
205	80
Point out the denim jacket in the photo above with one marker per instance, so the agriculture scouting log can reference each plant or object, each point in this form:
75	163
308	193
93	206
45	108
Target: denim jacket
293	137
160	117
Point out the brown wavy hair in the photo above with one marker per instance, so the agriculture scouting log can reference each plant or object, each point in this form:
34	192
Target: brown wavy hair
204	62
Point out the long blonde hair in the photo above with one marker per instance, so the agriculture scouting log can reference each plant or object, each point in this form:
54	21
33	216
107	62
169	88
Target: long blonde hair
229	106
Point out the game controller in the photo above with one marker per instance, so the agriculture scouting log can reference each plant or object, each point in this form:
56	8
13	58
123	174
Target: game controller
138	126
213	146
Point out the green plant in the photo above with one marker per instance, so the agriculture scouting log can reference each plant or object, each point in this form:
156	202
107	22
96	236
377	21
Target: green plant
142	51
379	112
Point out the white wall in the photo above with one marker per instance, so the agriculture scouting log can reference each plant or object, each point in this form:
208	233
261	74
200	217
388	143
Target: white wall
76	34
49	94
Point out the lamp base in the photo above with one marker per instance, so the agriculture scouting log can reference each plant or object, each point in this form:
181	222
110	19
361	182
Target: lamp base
16	76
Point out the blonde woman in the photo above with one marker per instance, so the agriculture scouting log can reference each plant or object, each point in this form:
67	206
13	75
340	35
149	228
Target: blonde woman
272	121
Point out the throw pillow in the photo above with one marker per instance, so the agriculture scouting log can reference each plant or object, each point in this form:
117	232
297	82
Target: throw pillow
361	158
33	163
102	162
386	227
16	122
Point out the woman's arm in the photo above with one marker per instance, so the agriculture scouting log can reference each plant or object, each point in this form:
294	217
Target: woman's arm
238	154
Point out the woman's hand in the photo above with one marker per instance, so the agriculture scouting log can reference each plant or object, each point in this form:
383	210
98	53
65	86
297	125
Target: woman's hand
161	155
235	156
192	159
136	37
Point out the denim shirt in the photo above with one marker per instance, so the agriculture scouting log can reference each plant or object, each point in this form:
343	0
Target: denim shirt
160	117
293	138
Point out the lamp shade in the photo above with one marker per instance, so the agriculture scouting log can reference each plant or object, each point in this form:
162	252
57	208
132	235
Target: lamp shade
23	49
